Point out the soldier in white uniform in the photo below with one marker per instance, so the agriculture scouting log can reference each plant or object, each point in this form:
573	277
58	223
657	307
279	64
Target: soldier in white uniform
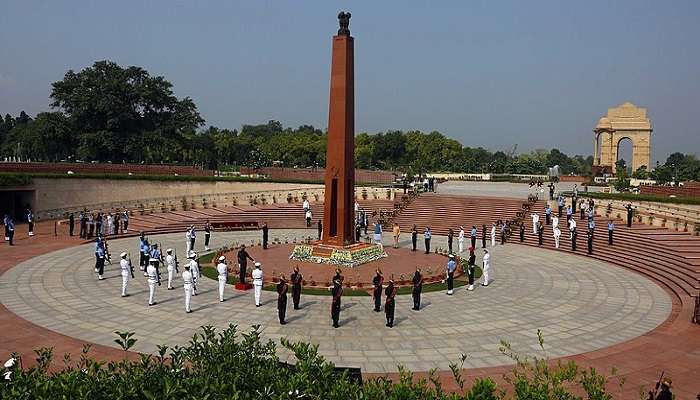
460	239
172	267
493	235
535	222
557	235
555	221
222	270
257	283
153	280
572	227
487	267
188	285
127	271
194	269
188	239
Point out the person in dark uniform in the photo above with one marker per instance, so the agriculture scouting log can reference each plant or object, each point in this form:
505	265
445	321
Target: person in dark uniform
548	214
427	235
319	226
483	236
417	289
207	235
390	303
504	232
337	293
71	224
574	236
377	282
297	279
522	232
540	233
450	237
282	289
589	236
243	258
414	237
358	231
472	236
665	393
630	211
265	235
82	222
471	265
611	229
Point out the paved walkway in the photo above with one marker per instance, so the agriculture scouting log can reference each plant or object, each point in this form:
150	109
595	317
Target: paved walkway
580	304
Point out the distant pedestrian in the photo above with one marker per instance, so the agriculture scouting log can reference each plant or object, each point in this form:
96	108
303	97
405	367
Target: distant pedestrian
319	227
414	237
611	229
427	235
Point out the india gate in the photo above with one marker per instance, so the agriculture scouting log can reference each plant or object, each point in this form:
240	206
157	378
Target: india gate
625	121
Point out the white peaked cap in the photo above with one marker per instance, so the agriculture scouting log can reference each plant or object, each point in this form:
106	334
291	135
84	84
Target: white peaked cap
257	264
169	251
123	255
222	258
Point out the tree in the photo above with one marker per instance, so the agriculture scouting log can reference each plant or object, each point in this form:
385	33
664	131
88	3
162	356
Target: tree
622	183
121	113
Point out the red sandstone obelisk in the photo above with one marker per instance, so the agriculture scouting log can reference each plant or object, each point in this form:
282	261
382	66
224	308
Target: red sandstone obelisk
340	153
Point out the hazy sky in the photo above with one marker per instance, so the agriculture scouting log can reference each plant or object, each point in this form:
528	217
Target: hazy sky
488	73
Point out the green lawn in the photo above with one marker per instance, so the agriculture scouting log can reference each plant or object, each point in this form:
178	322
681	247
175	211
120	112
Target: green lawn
210	272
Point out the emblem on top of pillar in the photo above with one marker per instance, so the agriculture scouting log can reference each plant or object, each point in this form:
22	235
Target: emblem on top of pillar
344	21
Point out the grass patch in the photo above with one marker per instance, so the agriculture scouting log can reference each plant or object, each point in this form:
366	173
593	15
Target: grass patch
25	178
210	272
638	197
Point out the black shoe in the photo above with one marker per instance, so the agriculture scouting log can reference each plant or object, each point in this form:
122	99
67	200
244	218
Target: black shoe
297	308
416	309
152	304
283	323
188	311
258	305
126	295
376	310
336	326
171	288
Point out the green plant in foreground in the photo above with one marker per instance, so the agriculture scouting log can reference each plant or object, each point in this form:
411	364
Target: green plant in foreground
536	379
226	364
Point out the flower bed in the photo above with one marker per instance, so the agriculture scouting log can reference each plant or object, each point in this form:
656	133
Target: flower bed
341	257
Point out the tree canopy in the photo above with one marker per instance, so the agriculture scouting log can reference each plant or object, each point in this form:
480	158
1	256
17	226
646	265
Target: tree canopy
111	113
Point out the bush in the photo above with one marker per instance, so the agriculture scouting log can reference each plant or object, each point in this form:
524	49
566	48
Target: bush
230	365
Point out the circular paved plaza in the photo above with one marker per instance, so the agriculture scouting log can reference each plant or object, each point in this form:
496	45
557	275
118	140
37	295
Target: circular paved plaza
579	303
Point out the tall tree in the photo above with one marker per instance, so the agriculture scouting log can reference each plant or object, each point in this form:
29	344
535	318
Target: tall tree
123	113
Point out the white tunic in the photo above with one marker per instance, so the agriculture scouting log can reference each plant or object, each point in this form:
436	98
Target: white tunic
461	235
257	277
194	268
187	278
222	269
126	271
170	262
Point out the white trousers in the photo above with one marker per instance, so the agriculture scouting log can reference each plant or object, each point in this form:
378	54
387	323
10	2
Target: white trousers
556	242
487	270
222	287
151	291
534	227
493	240
461	246
125	283
171	274
188	296
189	244
258	292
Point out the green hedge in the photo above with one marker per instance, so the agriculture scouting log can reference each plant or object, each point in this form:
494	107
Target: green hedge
7	179
25	178
638	197
228	364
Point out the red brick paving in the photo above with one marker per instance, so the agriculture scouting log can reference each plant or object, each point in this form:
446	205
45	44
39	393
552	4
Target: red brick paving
673	347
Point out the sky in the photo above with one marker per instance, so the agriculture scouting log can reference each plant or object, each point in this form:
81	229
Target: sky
538	74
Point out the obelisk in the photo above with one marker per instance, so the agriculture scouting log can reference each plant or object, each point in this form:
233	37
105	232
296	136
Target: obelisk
340	153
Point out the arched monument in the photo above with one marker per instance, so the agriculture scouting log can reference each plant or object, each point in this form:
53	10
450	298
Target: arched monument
625	121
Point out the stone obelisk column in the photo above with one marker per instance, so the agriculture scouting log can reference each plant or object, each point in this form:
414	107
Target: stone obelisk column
340	156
